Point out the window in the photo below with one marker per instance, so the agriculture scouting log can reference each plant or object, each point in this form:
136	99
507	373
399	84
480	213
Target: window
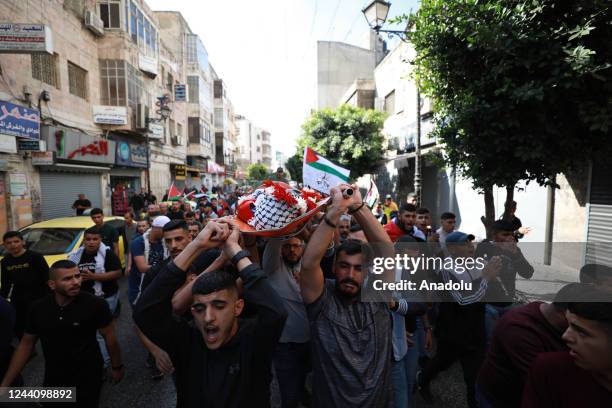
193	83
113	83
218	89
170	84
390	102
142	31
77	80
134	22
44	68
194	130
179	129
110	13
258	149
218	117
136	90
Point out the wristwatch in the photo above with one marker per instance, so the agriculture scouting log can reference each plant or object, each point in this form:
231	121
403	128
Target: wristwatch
239	255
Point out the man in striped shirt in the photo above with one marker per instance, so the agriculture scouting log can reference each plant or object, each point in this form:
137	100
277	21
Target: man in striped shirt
460	327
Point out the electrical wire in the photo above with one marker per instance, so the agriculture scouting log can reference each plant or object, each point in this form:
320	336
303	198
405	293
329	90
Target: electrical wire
314	18
331	23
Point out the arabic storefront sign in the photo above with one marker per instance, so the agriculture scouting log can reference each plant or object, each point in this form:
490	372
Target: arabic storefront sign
75	146
131	155
32	145
25	38
18	184
214	168
110	115
180	92
179	171
19	121
43	158
156	131
8	144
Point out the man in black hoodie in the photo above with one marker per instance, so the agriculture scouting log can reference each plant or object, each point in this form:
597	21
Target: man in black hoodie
223	361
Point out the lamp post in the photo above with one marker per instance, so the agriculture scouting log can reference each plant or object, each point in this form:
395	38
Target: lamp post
376	15
164	112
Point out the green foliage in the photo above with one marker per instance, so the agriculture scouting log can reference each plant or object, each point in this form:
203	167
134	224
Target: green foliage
258	171
349	136
522	89
294	166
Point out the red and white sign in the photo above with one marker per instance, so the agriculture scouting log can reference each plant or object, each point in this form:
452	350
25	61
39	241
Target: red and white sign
25	38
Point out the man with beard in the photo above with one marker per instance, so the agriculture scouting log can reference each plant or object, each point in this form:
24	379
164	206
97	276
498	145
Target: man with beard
66	322
282	261
351	340
404	224
223	361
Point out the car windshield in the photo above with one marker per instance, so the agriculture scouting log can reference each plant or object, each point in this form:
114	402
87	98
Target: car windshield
51	241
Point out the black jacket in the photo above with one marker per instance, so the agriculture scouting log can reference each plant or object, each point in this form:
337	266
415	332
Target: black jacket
239	373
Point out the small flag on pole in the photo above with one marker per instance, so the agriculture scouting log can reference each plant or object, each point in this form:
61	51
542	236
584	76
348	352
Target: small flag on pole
372	195
173	193
320	174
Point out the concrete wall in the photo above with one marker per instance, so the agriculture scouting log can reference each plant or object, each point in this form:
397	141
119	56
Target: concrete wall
338	66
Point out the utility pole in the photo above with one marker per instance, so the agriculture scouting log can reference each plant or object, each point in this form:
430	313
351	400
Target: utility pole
417	151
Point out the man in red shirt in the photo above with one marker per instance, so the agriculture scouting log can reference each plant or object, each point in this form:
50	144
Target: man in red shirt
403	224
582	377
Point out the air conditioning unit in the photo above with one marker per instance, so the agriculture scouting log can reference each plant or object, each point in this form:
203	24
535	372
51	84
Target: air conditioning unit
177	140
94	23
142	116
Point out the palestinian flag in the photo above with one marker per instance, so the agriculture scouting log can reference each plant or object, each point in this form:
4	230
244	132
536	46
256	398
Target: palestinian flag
372	196
320	174
173	193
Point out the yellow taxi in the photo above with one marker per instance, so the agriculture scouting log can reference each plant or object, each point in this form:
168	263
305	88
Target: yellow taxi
57	238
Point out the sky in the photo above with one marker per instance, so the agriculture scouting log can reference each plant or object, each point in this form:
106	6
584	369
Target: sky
265	51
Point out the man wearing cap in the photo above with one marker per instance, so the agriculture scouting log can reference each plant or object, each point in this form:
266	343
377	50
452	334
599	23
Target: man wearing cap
147	251
389	207
500	293
460	326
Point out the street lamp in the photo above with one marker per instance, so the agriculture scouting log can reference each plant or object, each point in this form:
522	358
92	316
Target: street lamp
376	14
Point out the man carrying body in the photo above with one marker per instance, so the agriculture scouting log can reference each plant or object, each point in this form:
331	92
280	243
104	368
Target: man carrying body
404	224
24	277
66	322
81	204
351	340
224	361
282	261
110	236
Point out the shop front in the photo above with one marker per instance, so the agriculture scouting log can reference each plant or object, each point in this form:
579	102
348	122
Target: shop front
179	175
81	165
126	175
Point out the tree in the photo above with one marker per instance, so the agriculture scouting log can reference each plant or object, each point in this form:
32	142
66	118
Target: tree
521	89
294	166
349	136
258	171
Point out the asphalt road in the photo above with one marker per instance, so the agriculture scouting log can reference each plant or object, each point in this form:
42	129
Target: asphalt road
138	389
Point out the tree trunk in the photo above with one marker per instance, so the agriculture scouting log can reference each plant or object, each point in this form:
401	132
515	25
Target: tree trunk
489	216
510	193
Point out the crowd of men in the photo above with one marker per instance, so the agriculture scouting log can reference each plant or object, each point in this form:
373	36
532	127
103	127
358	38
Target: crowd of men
221	311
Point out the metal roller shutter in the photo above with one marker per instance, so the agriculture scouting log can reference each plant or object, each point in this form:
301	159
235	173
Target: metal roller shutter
599	233
60	190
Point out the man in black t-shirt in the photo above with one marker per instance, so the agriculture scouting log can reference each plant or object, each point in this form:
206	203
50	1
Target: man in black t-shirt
110	236
66	322
81	204
100	269
24	277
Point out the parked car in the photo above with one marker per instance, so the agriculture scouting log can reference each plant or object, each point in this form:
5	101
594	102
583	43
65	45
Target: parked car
57	238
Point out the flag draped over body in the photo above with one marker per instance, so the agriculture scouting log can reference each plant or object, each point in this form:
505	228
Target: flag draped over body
320	174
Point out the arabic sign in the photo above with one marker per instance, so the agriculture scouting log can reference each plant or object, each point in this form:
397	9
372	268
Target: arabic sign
25	38
32	145
131	155
180	92
110	115
19	121
75	146
43	158
18	183
179	171
214	168
156	131
8	144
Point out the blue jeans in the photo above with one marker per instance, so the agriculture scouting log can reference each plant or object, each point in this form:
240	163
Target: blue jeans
112	305
292	364
492	315
403	373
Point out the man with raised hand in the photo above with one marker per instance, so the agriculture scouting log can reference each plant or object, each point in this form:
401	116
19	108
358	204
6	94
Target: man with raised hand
223	361
351	339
